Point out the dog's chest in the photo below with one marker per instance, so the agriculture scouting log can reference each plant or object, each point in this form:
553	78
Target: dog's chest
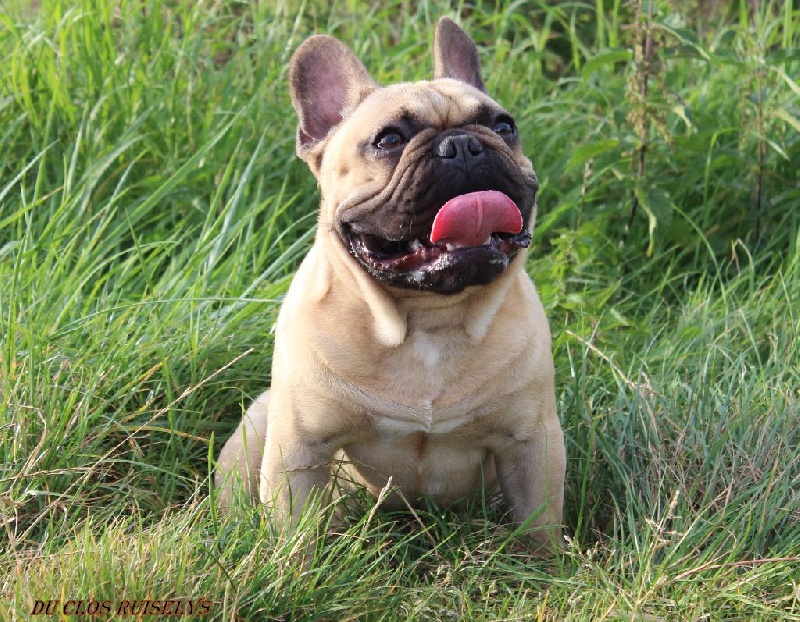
432	351
424	386
428	365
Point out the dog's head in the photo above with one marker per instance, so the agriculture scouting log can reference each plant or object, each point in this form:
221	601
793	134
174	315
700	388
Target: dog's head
424	183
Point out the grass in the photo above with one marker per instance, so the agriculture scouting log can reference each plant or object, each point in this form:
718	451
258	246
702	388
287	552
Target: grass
152	213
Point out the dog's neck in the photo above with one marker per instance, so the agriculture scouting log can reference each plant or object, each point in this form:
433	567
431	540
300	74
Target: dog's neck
471	310
397	313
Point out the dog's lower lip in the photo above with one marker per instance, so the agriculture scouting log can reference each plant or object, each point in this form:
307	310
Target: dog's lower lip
417	256
394	256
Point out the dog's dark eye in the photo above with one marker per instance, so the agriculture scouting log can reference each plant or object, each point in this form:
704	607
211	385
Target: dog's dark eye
389	139
504	126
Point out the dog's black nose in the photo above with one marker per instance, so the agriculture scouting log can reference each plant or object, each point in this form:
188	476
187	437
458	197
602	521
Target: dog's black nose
460	146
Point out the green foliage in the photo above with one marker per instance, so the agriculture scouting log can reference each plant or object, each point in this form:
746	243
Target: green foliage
152	213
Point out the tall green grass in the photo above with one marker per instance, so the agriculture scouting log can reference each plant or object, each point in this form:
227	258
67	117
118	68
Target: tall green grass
152	213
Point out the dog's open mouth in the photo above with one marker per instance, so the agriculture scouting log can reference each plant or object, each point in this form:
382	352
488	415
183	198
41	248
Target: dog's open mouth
472	239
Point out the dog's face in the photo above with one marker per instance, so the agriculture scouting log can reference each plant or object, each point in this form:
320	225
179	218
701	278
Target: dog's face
424	184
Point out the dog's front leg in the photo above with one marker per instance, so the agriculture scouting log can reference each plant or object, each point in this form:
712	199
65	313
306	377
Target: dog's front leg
531	471
296	465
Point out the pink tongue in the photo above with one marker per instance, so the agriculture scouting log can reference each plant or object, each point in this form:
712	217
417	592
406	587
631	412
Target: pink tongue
468	219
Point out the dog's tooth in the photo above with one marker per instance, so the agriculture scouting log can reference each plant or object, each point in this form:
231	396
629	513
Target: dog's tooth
415	245
487	241
450	247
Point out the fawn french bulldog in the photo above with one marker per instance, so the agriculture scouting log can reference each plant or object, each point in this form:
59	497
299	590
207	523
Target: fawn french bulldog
411	344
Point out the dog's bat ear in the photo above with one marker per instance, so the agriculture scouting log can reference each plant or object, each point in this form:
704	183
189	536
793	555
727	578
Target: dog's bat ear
455	55
326	81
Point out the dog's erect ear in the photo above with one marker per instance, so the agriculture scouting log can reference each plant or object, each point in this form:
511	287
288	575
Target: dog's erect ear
326	81
455	55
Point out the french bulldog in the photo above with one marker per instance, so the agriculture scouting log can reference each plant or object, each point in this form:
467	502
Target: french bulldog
412	346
